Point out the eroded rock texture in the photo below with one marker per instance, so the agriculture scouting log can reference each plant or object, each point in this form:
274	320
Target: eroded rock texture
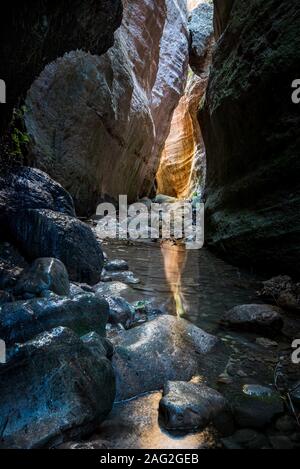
251	133
34	33
182	166
98	124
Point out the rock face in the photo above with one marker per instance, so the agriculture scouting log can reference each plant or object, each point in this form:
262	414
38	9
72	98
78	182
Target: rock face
22	320
98	124
191	406
147	356
222	10
182	165
251	132
43	30
45	233
60	389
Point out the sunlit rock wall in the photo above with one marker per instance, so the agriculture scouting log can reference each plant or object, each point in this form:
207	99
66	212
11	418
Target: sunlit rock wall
182	167
98	124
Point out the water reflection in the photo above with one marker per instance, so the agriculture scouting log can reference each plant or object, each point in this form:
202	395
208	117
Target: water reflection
174	258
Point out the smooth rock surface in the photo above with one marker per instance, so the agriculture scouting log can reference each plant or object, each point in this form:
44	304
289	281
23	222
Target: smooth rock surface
99	346
46	31
254	318
189	406
165	349
43	274
60	391
44	233
22	320
110	142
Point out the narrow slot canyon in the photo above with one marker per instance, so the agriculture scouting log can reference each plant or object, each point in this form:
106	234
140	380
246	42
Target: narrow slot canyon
116	331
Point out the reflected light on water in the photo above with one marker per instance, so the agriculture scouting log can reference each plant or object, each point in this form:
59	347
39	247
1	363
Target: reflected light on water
174	257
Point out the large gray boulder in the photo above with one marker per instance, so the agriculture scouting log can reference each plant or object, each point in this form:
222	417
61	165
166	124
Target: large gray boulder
22	320
52	390
167	348
45	233
43	275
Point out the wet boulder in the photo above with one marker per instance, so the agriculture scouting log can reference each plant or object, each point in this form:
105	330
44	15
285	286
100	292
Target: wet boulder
282	291
120	312
254	318
22	320
188	406
45	233
59	389
28	188
116	265
98	346
165	349
43	274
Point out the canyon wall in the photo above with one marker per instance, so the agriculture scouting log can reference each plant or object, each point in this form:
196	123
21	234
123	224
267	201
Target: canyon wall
35	32
251	133
182	166
98	124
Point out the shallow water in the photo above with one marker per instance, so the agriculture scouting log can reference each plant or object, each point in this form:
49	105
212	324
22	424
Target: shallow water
200	287
193	284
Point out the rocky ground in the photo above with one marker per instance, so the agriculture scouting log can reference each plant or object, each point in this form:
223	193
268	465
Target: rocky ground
75	345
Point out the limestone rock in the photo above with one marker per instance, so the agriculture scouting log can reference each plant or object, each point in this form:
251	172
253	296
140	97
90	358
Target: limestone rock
46	31
111	140
59	389
22	320
44	233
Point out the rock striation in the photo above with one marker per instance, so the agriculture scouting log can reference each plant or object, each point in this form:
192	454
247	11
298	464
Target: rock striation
182	165
98	124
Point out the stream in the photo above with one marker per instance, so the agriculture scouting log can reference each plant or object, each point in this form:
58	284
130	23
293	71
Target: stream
197	286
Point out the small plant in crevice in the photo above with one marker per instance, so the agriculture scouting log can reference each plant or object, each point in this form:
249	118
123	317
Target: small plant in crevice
14	143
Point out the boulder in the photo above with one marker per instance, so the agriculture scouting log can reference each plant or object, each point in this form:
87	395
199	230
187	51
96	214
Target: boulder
254	318
22	320
43	274
116	265
282	291
85	24
189	406
120	312
59	389
98	346
45	233
25	188
167	348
